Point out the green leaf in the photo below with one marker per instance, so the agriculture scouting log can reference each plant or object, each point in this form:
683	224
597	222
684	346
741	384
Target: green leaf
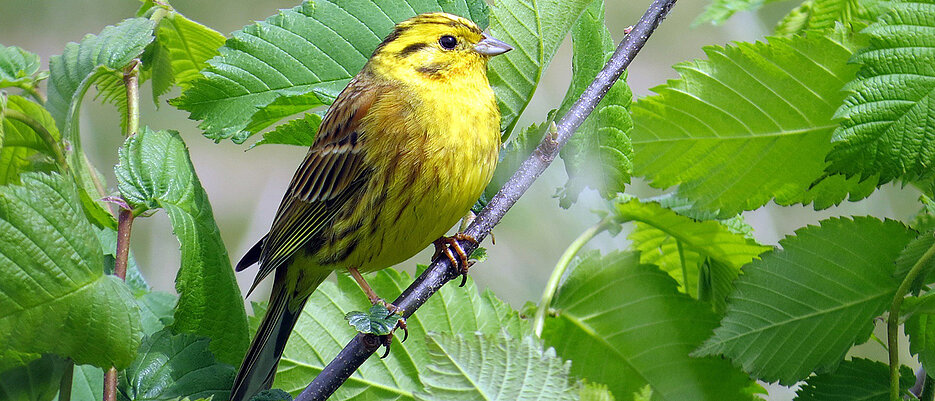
37	381
535	29
51	260
921	330
309	52
98	60
170	366
21	147
272	395
134	278
182	49
321	332
512	155
823	15
599	155
661	232
599	392
750	124
612	311
87	384
911	255
720	10
300	132
856	379
18	67
156	310
823	290
155	171
483	367
377	320
888	112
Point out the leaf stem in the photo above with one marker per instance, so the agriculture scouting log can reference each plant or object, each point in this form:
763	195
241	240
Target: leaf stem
31	90
42	132
64	389
362	346
124	225
131	80
558	272
892	325
110	385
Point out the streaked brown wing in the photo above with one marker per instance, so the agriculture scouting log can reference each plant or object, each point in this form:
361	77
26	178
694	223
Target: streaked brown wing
331	174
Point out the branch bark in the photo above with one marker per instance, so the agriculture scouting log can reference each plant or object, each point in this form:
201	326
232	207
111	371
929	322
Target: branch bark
441	271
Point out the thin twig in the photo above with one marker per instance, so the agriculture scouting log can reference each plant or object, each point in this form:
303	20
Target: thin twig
131	80
892	323
110	385
440	272
124	224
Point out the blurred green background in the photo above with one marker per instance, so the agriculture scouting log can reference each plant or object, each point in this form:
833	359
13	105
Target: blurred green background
245	187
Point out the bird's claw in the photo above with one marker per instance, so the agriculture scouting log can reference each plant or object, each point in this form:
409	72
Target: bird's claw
388	339
444	245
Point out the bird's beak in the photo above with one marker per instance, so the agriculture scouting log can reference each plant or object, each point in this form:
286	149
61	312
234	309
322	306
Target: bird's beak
489	46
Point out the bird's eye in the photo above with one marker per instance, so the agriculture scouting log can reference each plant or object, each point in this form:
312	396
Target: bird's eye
448	42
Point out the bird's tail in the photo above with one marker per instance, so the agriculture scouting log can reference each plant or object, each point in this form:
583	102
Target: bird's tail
259	365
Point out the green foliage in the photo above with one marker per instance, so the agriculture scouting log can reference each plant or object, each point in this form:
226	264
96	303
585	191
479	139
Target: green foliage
296	60
37	381
824	288
483	367
22	148
377	320
321	332
272	395
823	15
535	29
913	252
720	10
681	246
51	260
155	172
750	124
887	115
87	383
170	366
18	67
600	154
612	309
300	131
181	49
856	379
921	330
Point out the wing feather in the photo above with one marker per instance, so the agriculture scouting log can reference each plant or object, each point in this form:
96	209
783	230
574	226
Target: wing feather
331	174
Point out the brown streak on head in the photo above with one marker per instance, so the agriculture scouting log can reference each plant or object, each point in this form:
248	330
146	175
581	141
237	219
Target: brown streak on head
411	49
431	69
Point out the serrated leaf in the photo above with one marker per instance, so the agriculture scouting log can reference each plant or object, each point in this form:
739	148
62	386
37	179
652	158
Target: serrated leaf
170	366
921	330
308	52
750	124
21	147
611	310
823	15
887	115
52	269
483	367
824	288
856	379
720	10
321	332
512	155
377	320
272	395
535	29
182	49
599	155
96	60
300	132
156	310
18	67
600	392
37	381
661	232
155	172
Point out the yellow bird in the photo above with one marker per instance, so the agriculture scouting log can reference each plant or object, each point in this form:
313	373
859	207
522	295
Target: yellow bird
403	153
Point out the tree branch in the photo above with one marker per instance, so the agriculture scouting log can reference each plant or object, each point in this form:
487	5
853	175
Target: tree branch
440	272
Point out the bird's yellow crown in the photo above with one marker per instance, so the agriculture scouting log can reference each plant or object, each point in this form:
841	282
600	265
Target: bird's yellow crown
429	46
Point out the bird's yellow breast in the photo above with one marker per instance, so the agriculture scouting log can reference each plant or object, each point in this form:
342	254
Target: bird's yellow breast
432	145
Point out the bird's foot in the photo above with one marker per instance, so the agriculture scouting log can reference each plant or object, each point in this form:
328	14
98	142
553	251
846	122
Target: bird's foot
444	245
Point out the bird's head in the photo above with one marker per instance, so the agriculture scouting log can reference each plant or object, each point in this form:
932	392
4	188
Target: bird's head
436	46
